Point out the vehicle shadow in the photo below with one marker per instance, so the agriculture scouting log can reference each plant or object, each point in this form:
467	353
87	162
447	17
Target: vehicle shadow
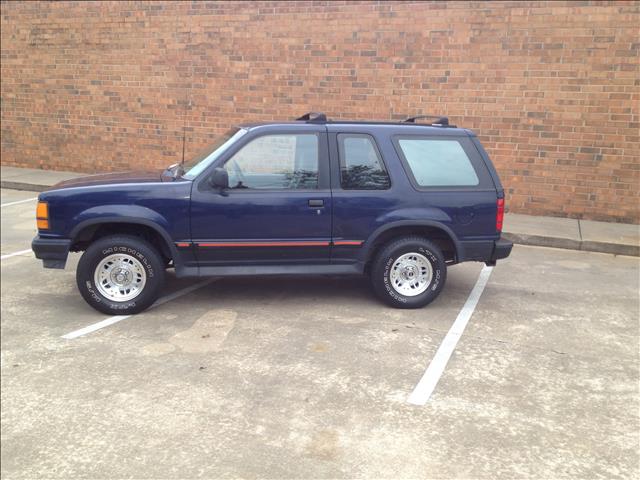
292	289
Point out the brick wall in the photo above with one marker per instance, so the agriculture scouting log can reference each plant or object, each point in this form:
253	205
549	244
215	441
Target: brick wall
552	89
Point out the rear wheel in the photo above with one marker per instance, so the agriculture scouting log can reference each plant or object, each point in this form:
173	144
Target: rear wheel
120	275
409	272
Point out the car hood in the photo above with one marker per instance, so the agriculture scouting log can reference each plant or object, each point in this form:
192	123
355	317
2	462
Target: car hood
111	178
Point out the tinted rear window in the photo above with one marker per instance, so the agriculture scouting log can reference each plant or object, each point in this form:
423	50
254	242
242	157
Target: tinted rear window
438	163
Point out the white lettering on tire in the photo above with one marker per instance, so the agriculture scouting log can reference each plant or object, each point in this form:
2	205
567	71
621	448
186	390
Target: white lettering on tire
435	281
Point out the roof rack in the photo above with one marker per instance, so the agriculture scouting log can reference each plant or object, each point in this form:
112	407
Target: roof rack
313	117
440	121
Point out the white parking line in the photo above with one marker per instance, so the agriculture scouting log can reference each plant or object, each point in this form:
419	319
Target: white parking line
429	380
14	254
19	201
119	318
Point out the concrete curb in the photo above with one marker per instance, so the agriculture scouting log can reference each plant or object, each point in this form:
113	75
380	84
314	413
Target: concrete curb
566	243
615	248
29	187
542	241
517	238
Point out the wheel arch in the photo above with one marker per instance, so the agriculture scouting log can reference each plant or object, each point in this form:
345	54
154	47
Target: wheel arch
437	232
90	230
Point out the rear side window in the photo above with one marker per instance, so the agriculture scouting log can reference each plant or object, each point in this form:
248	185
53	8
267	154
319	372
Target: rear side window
361	166
438	162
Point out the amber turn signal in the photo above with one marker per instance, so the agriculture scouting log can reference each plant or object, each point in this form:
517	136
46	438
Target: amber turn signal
42	215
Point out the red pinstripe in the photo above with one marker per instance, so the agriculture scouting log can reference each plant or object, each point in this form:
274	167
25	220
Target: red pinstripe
313	243
264	244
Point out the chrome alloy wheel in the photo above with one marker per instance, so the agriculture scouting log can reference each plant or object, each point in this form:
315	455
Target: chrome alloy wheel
120	277
411	274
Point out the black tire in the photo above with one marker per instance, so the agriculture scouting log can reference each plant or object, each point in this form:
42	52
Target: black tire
135	247
383	262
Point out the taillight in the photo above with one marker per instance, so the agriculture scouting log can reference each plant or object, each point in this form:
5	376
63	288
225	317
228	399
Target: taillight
42	216
500	215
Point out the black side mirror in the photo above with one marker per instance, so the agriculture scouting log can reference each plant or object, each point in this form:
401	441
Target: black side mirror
220	179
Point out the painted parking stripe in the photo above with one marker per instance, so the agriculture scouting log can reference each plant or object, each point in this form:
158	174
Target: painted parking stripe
119	318
429	380
18	202
15	254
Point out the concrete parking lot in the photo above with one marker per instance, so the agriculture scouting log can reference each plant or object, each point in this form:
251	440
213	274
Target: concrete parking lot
309	377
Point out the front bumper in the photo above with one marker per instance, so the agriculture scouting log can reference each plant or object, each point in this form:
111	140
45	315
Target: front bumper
52	251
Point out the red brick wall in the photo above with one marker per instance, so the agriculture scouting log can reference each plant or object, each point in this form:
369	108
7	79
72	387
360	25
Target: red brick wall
552	89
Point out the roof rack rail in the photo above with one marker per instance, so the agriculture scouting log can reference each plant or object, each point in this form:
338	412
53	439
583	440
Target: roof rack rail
313	117
440	121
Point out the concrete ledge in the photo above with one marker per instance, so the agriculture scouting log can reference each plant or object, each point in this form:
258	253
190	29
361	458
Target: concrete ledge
615	248
622	239
543	241
587	246
587	235
32	179
30	187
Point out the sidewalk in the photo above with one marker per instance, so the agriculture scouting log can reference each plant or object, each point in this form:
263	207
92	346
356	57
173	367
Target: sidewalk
616	238
32	179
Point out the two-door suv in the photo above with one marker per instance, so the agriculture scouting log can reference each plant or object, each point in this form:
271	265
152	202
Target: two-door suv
398	202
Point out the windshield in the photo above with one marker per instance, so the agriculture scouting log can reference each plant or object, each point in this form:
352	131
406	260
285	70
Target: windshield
200	162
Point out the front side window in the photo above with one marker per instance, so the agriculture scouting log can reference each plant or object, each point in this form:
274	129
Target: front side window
276	162
200	162
438	163
361	167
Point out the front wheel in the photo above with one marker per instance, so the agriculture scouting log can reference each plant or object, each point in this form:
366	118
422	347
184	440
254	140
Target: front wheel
120	275
409	272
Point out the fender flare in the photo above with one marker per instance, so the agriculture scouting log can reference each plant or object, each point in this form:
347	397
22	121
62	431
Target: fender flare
368	244
130	220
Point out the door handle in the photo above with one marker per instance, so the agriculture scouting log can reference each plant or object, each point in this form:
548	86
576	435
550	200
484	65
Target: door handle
316	203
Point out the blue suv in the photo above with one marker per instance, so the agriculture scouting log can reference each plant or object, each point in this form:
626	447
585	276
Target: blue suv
398	202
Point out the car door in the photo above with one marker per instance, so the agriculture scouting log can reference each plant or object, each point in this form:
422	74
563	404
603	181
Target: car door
362	190
277	209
